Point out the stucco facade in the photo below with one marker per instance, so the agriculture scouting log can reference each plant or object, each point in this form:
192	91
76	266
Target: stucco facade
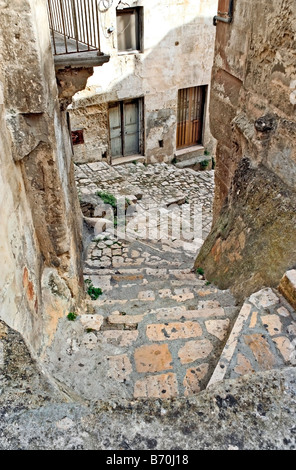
175	52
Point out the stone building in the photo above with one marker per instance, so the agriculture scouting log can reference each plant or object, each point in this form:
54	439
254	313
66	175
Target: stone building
151	99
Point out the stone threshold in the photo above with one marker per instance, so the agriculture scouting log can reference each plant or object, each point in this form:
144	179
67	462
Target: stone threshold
129	159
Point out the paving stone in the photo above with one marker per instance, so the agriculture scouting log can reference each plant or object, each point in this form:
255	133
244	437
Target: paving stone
129	320
286	348
264	298
93	322
243	365
261	351
195	349
120	338
177	314
253	321
157	386
218	328
193	377
119	367
172	331
272	323
283	312
146	295
153	358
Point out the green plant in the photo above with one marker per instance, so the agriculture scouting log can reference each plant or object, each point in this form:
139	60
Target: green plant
134	162
200	271
206	152
89	330
174	161
204	164
213	163
208	283
72	316
93	292
107	198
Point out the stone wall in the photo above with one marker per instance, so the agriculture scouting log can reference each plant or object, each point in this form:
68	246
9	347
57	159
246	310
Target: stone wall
252	114
40	230
178	53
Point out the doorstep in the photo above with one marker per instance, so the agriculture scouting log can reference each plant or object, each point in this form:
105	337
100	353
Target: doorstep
129	159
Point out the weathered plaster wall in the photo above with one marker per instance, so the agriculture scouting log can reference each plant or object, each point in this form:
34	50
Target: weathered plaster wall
252	109
39	230
178	53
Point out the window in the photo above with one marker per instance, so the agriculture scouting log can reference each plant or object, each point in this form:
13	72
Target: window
129	29
77	137
125	124
191	103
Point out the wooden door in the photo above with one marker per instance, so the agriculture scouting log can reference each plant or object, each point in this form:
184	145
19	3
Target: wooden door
131	127
190	116
124	128
115	130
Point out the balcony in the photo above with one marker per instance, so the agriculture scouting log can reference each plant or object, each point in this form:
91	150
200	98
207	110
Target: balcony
75	33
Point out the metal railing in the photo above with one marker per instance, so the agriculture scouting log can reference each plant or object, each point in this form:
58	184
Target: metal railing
74	25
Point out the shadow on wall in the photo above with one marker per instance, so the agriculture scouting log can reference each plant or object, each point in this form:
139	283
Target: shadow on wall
182	59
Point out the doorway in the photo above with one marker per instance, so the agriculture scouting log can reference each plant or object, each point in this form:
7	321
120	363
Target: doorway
191	102
125	128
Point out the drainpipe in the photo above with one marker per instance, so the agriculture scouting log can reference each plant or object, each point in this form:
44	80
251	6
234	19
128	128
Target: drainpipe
229	17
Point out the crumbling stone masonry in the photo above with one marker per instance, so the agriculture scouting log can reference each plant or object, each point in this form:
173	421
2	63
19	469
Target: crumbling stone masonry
252	109
40	240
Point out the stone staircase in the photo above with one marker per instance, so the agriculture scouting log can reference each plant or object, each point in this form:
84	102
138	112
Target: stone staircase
160	329
156	332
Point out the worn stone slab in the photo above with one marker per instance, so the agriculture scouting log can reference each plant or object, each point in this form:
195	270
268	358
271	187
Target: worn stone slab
119	367
93	322
121	338
172	331
261	351
119	319
272	323
170	314
193	377
195	349
157	386
264	298
229	349
153	358
218	328
287	287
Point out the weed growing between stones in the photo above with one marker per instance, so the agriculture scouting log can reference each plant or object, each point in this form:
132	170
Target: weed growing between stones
204	164
93	292
72	316
107	198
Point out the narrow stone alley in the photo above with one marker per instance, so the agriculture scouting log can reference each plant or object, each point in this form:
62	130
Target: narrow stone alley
158	328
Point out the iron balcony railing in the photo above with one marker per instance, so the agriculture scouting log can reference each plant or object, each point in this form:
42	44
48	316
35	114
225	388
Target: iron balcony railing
74	25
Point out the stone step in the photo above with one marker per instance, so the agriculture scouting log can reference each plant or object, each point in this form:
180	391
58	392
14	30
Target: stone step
287	287
203	162
263	337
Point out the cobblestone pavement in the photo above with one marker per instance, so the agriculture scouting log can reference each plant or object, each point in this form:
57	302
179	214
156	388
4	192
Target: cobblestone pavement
159	329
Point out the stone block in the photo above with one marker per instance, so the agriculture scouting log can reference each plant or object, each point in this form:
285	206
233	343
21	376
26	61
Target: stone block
194	350
193	377
287	287
153	358
157	386
172	331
